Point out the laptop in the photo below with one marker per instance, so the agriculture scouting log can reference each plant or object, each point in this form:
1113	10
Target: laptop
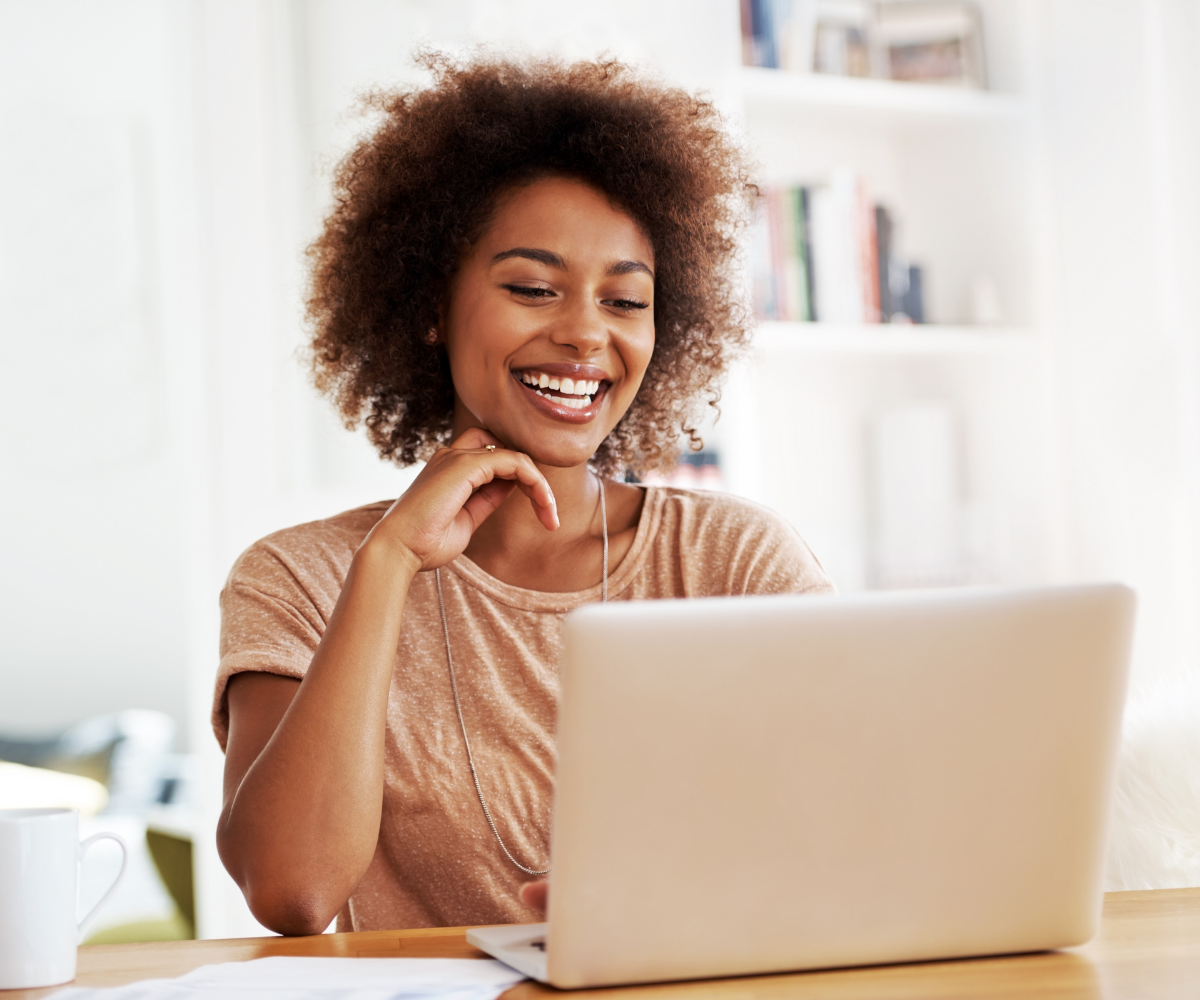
769	784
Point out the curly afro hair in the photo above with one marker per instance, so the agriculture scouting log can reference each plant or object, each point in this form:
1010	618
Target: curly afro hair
411	198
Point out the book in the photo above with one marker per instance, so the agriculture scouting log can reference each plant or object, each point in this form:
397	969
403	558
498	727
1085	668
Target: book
837	260
914	295
883	262
775	224
794	263
762	270
804	222
868	255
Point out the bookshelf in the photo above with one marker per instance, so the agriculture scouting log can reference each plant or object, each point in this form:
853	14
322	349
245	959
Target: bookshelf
868	102
841	426
777	340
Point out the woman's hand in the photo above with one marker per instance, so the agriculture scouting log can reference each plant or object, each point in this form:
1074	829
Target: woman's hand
455	493
536	895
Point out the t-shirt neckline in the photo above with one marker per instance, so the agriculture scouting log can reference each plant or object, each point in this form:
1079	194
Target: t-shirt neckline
538	600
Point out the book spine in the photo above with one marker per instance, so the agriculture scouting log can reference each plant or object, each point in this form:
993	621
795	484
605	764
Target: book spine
747	15
778	255
847	236
883	256
782	17
764	22
787	262
868	255
914	299
799	262
826	264
761	270
804	220
798	50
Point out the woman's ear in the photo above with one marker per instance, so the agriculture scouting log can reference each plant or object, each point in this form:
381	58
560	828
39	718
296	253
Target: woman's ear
434	334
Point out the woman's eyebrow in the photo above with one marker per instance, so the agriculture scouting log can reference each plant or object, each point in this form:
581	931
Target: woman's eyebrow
629	267
547	257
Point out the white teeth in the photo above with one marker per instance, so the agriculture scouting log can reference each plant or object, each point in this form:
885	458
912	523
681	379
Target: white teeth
575	387
572	402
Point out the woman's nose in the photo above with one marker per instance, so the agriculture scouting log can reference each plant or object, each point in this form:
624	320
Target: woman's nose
583	327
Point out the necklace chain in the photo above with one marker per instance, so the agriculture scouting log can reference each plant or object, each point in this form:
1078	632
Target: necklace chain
487	813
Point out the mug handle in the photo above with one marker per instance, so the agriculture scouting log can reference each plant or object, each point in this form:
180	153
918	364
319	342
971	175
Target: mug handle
86	921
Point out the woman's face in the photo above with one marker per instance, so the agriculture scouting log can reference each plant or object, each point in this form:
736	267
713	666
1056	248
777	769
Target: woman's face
549	322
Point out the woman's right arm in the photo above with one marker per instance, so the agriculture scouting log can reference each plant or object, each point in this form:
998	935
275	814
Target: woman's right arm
304	760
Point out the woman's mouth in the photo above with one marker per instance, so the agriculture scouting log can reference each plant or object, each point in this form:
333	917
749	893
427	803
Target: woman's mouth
562	396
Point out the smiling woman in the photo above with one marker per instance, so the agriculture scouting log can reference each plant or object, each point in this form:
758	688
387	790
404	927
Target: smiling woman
526	280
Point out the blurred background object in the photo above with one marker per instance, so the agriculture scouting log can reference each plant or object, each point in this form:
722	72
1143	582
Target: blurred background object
975	361
24	787
122	774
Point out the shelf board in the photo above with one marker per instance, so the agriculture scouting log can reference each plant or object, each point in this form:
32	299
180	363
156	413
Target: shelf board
771	93
885	339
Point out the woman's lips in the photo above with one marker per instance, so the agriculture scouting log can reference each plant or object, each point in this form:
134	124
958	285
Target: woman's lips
558	411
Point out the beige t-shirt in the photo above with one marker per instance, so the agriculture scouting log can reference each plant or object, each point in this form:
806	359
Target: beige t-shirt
436	862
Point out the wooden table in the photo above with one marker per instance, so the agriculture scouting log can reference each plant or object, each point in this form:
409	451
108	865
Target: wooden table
1148	947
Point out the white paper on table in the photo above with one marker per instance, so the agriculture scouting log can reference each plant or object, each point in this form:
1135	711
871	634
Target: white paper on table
322	979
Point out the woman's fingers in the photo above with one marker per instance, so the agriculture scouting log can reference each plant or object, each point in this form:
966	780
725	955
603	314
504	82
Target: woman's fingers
514	465
459	488
546	513
509	464
484	501
475	437
535	895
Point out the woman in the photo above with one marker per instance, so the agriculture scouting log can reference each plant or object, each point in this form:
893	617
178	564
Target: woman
526	281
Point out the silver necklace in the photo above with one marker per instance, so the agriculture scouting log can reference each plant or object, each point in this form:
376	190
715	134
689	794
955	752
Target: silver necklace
487	813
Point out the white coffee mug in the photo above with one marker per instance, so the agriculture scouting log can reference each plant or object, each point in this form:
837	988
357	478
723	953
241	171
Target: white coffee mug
40	854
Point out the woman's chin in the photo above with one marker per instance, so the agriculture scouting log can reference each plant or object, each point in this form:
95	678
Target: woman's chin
562	461
560	455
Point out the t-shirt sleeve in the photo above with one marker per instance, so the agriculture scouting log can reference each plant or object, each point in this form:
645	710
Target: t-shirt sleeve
733	546
271	622
773	559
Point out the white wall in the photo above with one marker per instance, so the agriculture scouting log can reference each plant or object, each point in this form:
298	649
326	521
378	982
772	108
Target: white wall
1122	122
91	594
1122	125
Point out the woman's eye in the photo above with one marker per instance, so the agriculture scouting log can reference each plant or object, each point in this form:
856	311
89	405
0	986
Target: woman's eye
529	291
627	304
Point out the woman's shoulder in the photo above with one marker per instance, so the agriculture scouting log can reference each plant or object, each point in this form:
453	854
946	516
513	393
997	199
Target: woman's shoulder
318	548
729	545
716	516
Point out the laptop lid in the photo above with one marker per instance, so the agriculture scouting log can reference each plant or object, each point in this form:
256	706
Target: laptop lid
774	783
